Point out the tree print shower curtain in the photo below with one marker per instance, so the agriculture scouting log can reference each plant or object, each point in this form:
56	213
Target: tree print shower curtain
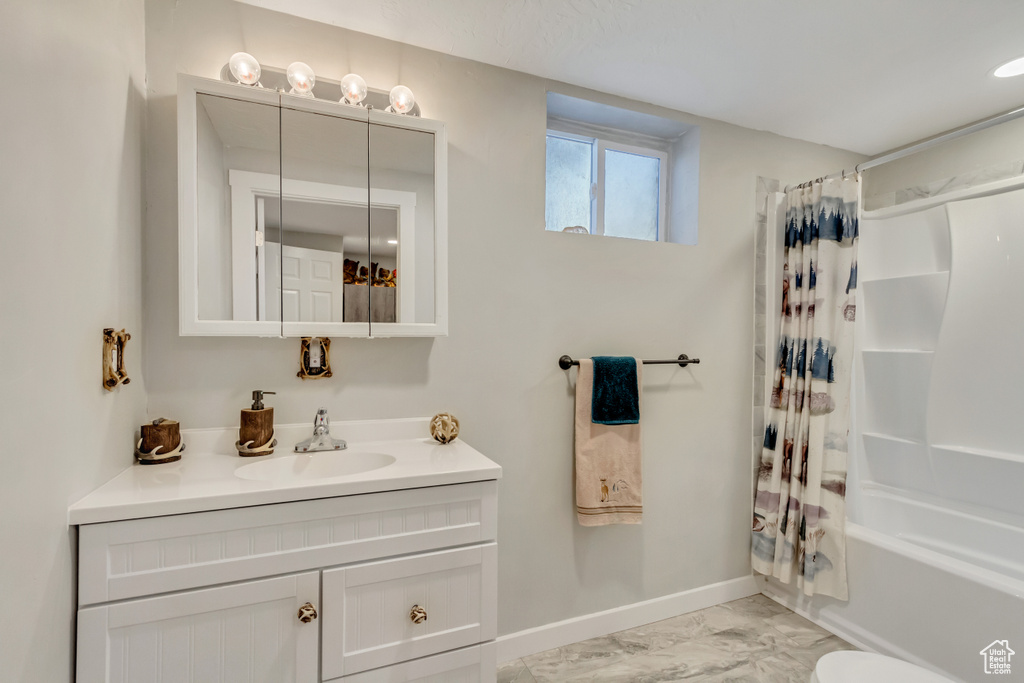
799	508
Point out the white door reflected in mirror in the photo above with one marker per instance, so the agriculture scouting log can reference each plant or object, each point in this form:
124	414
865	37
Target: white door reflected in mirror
307	218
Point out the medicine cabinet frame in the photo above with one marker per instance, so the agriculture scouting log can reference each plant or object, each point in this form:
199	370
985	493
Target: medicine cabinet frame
190	88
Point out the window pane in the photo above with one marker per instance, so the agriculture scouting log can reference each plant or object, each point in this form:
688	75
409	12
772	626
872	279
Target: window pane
631	187
568	183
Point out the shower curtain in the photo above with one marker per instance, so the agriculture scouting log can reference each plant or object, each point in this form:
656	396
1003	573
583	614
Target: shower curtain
799	509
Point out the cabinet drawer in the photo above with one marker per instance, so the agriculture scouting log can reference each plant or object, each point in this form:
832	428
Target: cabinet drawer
366	608
477	664
119	560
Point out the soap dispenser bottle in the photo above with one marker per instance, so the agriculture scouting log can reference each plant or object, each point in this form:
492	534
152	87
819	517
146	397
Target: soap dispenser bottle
256	428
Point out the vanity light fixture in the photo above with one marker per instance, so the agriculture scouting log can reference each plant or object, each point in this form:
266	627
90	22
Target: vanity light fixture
402	100
301	78
1012	68
353	89
245	68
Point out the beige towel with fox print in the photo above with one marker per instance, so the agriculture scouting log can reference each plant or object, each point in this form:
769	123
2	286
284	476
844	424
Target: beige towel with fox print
609	480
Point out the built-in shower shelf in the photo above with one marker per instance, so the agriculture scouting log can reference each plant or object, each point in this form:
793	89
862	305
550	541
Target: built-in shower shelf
903	247
890	437
988	478
982	452
904	312
900	280
897	351
896	392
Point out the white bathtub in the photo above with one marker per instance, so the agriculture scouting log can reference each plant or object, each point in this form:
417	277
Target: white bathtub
926	587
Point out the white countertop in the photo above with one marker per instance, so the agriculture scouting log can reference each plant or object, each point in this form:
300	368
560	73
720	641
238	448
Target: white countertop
204	478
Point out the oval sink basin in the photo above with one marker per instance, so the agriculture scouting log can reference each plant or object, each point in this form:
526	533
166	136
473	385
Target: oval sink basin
325	465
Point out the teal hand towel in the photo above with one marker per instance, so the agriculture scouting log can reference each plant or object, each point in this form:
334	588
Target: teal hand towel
616	395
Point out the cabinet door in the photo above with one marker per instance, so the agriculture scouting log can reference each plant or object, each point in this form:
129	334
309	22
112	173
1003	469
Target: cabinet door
408	231
230	184
324	219
242	632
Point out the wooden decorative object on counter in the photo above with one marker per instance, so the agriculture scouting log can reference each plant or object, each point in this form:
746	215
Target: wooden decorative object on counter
256	433
113	358
315	359
444	427
256	428
160	442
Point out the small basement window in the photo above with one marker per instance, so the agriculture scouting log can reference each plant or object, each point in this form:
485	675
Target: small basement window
637	180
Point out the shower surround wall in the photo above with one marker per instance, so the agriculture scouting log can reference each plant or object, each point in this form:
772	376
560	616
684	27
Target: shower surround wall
519	297
936	519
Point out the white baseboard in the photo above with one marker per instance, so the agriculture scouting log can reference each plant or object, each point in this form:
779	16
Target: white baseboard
550	636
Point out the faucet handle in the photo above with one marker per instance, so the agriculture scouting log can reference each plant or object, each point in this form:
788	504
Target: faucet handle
321	423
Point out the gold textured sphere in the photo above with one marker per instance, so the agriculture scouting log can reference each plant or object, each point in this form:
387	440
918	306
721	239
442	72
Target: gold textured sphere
444	427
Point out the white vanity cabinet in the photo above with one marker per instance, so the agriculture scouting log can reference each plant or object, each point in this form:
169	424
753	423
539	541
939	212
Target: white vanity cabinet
218	595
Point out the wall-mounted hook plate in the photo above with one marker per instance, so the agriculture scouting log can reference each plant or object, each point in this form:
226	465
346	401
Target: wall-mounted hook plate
113	358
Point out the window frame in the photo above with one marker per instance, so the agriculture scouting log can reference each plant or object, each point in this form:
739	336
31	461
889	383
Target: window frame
603	145
602	140
592	141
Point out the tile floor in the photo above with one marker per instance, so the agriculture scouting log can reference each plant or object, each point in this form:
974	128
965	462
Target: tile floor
751	640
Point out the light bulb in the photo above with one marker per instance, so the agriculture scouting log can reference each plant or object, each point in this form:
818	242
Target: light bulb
301	78
1014	68
244	68
353	89
402	100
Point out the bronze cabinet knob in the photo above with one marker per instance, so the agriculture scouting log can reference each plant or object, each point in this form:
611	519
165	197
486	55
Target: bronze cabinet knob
418	614
307	613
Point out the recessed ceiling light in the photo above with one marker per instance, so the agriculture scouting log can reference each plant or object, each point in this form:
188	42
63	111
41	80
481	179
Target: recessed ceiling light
1011	68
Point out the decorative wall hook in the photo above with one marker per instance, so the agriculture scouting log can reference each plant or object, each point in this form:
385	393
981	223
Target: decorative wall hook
315	358
113	358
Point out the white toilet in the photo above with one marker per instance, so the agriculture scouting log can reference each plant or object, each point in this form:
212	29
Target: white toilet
866	667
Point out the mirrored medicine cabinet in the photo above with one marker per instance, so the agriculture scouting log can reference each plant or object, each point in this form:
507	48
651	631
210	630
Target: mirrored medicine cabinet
305	217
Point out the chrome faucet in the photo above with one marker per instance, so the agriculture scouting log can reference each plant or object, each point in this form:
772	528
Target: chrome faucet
321	439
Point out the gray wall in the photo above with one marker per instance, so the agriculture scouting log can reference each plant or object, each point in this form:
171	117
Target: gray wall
519	298
71	144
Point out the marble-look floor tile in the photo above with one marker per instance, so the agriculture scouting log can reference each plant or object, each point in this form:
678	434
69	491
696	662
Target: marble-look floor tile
810	654
780	669
515	672
753	639
775	669
669	632
720	618
802	631
750	641
683	662
760	606
580	658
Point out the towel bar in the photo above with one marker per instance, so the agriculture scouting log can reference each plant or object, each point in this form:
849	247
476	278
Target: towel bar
566	362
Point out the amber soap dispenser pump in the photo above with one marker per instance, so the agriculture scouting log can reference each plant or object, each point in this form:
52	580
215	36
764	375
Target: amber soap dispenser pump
256	428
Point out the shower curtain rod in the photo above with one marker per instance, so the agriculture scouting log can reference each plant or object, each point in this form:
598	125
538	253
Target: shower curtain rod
931	142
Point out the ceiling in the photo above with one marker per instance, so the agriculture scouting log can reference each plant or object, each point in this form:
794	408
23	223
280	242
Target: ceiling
863	75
